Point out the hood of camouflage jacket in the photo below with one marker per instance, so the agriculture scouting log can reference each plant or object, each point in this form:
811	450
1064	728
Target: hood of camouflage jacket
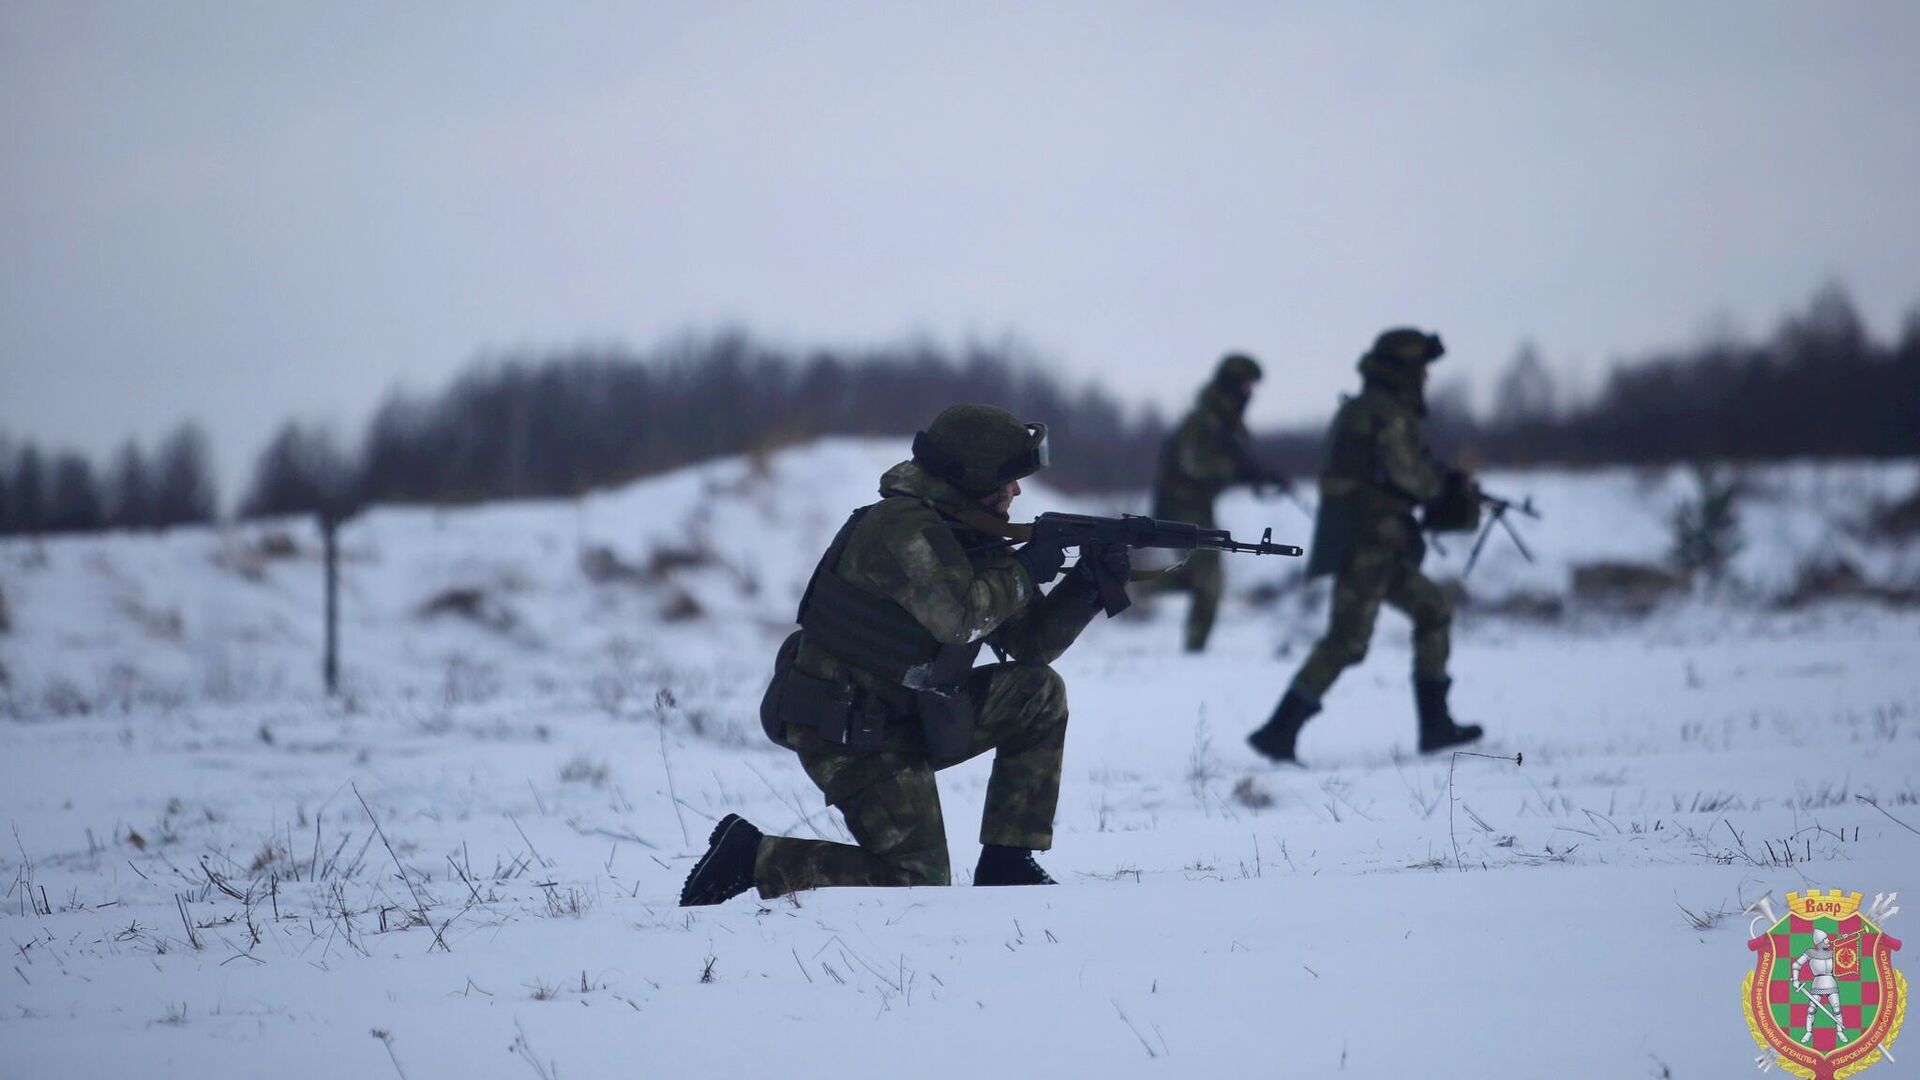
1394	380
909	479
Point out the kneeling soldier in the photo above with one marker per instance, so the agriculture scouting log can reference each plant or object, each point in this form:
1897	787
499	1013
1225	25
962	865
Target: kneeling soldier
877	689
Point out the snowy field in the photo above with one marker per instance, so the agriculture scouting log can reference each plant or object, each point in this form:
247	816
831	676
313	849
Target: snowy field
467	866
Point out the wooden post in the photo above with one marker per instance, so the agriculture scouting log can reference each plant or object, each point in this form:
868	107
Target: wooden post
329	539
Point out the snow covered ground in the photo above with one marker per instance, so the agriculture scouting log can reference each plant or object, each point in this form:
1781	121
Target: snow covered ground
467	865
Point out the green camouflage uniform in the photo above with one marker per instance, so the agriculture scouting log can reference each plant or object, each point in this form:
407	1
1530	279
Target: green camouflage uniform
1377	471
1205	455
963	587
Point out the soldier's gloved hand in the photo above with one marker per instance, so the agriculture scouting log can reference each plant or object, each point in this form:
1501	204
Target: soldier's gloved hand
1043	561
1106	570
1115	562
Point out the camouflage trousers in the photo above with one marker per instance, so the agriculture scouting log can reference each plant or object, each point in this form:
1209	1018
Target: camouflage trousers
892	805
1373	574
1201	575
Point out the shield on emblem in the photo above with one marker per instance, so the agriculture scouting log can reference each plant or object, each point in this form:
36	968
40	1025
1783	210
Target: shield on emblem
1824	1009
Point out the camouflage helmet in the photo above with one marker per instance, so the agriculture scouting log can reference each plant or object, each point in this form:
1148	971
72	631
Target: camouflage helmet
980	448
1406	347
1237	367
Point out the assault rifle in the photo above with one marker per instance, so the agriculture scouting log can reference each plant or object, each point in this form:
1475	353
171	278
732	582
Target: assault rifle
1089	533
1500	508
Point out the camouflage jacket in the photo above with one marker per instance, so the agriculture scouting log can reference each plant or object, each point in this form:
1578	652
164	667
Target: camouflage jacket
1209	452
1376	470
964	587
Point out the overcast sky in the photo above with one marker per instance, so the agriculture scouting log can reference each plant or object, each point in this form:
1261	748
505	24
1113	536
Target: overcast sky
248	212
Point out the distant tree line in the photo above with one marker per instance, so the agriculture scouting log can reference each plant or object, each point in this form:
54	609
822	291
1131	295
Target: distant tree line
1818	386
55	492
562	422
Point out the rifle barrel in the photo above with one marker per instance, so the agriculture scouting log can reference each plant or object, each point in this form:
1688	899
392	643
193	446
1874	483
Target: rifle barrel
1262	548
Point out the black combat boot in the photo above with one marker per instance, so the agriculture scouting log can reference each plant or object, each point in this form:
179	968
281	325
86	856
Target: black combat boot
1277	738
1008	866
726	870
1437	729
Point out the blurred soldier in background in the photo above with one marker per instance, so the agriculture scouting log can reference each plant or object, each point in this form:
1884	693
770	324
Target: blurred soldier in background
877	689
1209	452
1377	471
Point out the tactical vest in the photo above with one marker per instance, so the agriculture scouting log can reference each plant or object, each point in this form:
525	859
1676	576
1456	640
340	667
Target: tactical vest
1354	488
873	634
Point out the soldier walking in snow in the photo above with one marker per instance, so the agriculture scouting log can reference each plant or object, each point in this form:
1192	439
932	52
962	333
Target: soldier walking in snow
1377	471
877	689
1207	453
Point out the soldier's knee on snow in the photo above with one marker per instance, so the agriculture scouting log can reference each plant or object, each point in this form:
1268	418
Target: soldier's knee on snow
923	867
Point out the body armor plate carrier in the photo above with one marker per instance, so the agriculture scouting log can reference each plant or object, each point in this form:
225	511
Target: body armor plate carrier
877	636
